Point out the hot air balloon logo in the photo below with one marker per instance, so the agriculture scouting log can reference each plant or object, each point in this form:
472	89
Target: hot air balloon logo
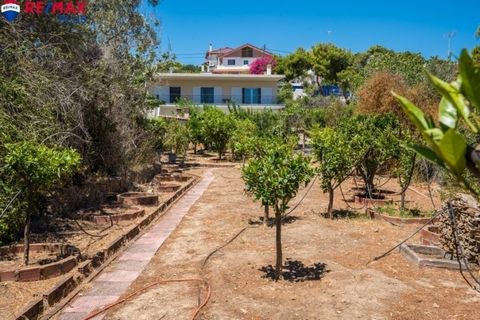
10	10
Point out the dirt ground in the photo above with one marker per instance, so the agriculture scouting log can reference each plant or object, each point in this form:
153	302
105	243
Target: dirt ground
391	288
62	231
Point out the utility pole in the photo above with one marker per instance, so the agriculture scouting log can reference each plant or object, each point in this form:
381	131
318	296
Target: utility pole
449	36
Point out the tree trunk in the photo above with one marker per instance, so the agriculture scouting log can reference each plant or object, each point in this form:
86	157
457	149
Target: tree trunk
219	155
304	138
278	243
26	239
194	148
402	201
330	203
266	215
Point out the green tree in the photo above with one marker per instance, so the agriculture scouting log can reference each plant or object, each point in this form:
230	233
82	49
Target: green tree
336	160
328	61
176	138
34	169
242	139
217	129
195	127
374	137
158	129
294	65
275	179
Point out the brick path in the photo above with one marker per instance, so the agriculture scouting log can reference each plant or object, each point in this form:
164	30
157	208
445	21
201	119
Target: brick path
111	284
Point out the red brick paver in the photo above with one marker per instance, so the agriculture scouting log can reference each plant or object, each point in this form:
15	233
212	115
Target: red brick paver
116	279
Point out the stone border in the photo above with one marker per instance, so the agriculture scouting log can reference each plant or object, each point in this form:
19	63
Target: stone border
131	214
396	220
40	272
170	178
69	284
412	253
138	199
209	165
429	237
167	188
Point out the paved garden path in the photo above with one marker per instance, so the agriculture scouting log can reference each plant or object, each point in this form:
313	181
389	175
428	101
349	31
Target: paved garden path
114	282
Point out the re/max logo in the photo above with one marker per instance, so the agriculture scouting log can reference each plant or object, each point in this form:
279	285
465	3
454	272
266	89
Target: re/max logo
66	11
55	7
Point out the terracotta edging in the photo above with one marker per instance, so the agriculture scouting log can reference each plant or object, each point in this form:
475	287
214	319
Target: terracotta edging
131	214
377	215
32	311
427	237
40	272
69	287
138	199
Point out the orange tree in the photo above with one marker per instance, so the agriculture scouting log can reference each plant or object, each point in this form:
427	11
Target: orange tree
275	179
34	169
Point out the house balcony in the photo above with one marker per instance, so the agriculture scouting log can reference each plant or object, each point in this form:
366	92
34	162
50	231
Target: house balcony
173	106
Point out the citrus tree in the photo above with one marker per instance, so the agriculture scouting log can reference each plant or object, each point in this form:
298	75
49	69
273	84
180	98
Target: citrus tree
176	138
374	138
217	129
35	169
336	159
242	139
275	179
194	126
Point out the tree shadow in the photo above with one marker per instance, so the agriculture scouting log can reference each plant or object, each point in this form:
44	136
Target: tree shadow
296	271
345	214
271	221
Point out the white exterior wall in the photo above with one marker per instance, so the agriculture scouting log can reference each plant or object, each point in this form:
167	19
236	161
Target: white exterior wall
238	61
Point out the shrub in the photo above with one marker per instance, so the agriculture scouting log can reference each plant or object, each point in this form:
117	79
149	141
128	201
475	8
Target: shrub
259	66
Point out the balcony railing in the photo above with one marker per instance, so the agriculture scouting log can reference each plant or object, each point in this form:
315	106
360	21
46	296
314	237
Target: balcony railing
219	99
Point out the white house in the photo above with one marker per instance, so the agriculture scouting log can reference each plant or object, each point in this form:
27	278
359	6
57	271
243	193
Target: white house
255	92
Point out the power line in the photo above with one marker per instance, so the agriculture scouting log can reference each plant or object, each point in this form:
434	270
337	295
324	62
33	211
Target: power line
281	51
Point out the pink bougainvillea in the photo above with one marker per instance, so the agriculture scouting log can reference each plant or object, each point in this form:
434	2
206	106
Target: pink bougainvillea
259	66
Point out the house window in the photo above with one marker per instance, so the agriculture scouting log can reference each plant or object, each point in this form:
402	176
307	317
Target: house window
245	62
247	52
175	94
251	95
231	62
206	95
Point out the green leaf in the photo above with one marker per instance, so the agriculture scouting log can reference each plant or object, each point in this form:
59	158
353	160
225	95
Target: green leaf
447	114
414	113
470	74
435	134
453	147
427	153
450	93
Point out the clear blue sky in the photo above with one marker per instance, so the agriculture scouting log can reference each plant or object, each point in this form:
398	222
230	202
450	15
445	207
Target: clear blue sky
418	26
